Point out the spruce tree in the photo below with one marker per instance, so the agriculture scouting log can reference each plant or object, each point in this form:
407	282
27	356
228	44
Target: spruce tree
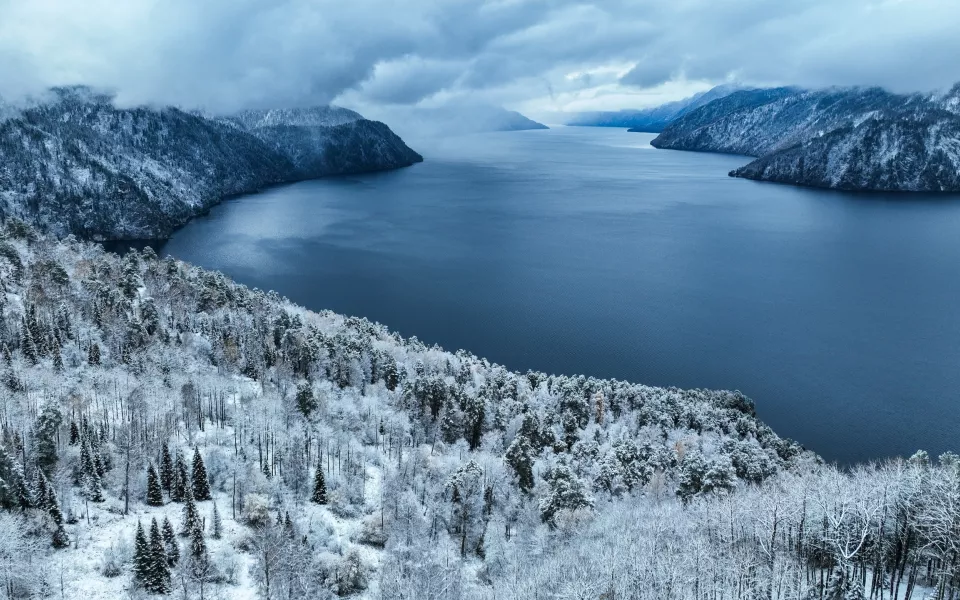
201	485
57	357
170	542
142	559
14	490
306	402
198	546
180	482
191	518
319	495
166	469
41	490
74	433
53	505
154	492
60	537
93	355
217	523
160	570
28	345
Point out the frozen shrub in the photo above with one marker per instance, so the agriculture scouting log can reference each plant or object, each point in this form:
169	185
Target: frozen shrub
256	509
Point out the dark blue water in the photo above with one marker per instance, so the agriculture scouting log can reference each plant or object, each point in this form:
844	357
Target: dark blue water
581	250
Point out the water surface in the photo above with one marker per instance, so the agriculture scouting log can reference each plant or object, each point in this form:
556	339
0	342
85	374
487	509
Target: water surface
584	250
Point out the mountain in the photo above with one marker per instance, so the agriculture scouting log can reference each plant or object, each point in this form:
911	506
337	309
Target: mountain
841	138
75	163
651	120
311	455
415	122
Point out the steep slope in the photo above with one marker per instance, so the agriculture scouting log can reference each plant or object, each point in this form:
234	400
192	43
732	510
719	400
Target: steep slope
74	163
852	139
327	140
655	119
878	154
333	458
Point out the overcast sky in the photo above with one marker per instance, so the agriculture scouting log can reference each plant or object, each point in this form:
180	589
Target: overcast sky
537	56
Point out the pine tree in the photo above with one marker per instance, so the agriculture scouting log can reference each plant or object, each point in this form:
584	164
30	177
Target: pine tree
306	402
74	433
142	559
191	518
319	495
217	523
60	537
154	492
160	571
14	490
41	490
94	488
198	546
166	469
28	345
86	462
201	485
93	355
180	481
57	357
170	541
7	357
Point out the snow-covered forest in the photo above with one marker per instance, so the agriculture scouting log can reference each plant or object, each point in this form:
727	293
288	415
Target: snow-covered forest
166	431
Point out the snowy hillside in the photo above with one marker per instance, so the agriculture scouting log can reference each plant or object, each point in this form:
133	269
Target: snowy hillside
847	138
311	455
74	163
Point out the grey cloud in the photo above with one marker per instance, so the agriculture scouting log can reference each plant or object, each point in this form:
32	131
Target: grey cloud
231	54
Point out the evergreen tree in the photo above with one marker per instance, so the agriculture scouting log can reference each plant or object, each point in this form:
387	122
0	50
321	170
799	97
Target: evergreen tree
57	357
217	523
60	537
7	357
93	355
191	518
27	345
142	559
198	546
94	488
46	432
74	433
519	456
14	489
166	469
306	402
201	485
319	495
170	542
154	492
180	481
41	491
160	570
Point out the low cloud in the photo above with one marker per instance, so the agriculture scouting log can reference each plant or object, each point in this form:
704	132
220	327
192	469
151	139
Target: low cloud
537	55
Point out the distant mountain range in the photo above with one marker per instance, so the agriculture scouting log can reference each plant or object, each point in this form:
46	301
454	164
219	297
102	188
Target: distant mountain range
75	163
841	138
414	122
651	120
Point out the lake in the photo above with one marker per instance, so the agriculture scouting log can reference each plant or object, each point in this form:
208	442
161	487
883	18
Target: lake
585	250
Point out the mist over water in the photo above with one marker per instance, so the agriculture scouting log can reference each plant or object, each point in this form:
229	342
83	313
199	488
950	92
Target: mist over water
580	250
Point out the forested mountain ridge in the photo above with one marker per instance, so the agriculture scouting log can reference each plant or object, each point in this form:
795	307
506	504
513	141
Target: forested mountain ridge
129	357
74	163
654	119
331	457
843	138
